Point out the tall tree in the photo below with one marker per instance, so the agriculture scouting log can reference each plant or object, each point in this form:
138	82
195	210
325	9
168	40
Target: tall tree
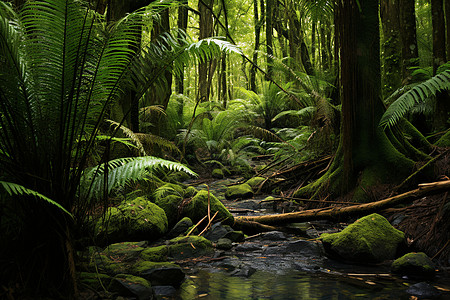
182	23
366	155
447	27
410	52
206	30
258	22
269	36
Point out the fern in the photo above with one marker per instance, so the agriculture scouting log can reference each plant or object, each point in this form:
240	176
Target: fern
418	94
14	189
122	170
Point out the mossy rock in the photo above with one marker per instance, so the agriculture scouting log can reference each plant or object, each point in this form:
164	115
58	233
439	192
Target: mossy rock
254	182
134	220
105	264
131	286
415	265
156	254
188	290
170	205
94	280
371	239
180	228
218	173
187	247
197	208
143	266
125	251
190	192
240	191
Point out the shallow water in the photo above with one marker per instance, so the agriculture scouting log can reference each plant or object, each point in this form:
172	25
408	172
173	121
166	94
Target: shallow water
293	285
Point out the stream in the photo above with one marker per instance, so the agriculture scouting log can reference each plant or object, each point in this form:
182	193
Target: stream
291	266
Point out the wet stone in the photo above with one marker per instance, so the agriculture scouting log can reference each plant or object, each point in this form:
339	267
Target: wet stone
224	244
423	290
216	232
274	236
164	290
164	276
245	271
305	248
246	247
235	236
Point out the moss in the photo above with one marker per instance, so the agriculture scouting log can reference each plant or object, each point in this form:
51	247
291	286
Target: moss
417	138
192	246
371	239
143	266
240	191
444	141
156	254
217	173
188	290
96	281
197	208
134	279
170	205
255	181
190	191
124	251
414	264
138	219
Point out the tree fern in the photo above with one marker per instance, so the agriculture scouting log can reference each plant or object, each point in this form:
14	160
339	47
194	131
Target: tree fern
419	93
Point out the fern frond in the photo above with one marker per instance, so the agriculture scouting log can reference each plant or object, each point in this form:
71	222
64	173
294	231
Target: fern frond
152	140
14	189
417	94
130	134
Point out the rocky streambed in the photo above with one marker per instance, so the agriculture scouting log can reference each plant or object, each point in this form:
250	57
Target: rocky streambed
347	262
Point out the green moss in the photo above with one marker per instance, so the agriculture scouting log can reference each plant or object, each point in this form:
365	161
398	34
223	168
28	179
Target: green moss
192	246
143	266
444	141
96	281
218	173
190	191
170	205
197	208
119	282
240	191
188	290
371	239
415	264
124	251
254	182
156	254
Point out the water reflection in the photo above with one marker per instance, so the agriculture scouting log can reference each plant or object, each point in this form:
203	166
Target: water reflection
294	285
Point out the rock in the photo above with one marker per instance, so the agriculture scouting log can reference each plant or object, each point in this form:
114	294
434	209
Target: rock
414	265
371	239
274	236
125	251
132	286
134	220
190	192
170	204
94	280
240	191
164	276
224	244
156	254
217	173
216	232
247	247
423	290
141	267
187	290
197	208
245	271
180	228
165	291
248	204
235	236
188	247
254	182
305	248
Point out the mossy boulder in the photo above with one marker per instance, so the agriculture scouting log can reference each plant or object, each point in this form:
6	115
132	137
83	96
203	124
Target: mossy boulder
218	173
190	192
156	254
95	281
187	247
134	220
240	191
180	228
371	239
143	266
415	265
125	251
254	182
131	286
197	208
170	204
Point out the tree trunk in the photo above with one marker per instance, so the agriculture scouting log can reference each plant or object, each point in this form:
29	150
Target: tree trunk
410	52
269	37
447	27
258	22
206	30
365	156
182	24
389	10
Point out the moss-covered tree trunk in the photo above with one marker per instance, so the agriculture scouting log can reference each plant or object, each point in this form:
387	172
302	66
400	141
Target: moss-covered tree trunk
206	30
182	22
410	52
365	156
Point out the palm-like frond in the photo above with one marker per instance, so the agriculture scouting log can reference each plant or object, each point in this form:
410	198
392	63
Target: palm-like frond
419	93
122	170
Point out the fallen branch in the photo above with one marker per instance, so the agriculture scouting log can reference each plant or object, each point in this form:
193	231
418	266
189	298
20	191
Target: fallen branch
333	213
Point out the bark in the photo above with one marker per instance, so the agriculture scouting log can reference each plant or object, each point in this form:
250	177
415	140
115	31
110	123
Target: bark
258	22
182	24
447	27
391	46
206	30
410	52
337	213
269	37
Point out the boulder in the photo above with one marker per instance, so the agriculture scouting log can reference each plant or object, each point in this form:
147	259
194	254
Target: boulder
94	280
170	204
172	276
216	232
134	220
132	286
235	236
156	254
240	191
187	247
424	290
224	244
371	239
180	228
254	182
218	173
414	265
197	208
125	251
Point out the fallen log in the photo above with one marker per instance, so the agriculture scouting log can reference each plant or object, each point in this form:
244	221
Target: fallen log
335	213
